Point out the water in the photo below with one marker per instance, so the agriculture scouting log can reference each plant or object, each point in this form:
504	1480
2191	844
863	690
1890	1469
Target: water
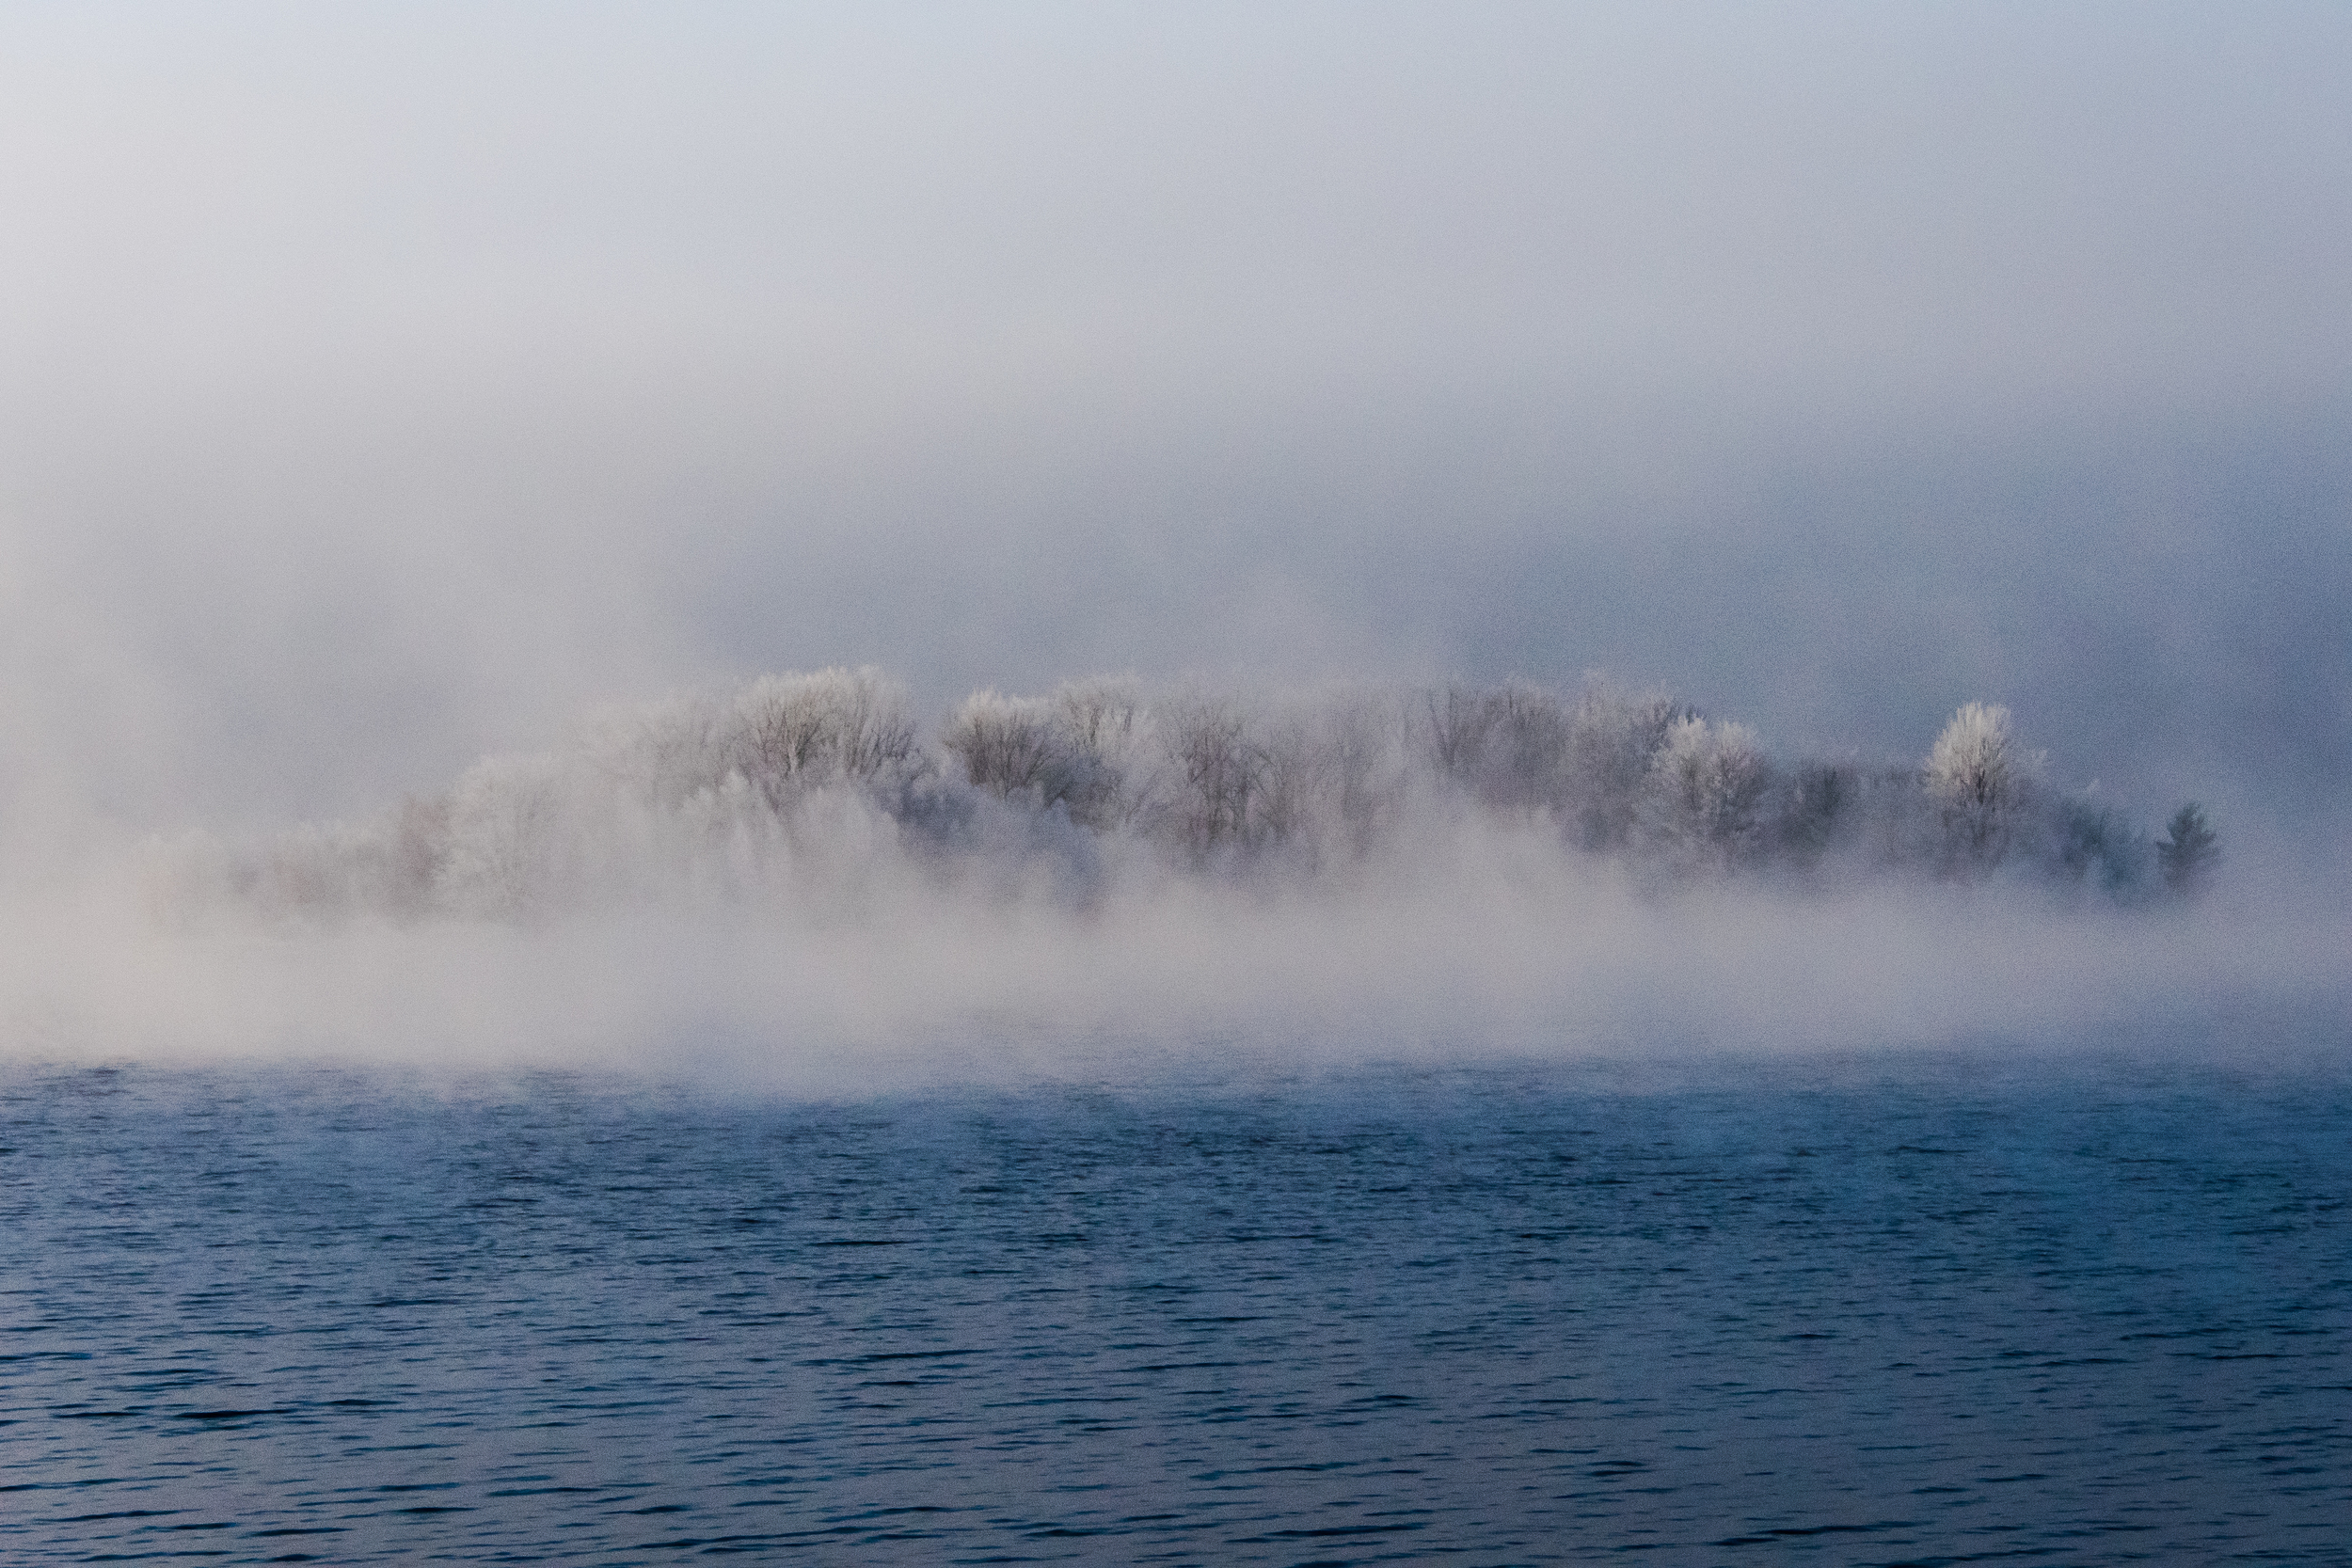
1909	1313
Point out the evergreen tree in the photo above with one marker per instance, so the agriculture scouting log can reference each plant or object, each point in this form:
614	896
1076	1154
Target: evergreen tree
2189	849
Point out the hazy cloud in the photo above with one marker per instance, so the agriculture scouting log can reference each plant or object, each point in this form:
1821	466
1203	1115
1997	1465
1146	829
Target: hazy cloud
380	384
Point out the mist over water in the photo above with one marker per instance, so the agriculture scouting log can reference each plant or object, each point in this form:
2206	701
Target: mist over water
798	886
1263	782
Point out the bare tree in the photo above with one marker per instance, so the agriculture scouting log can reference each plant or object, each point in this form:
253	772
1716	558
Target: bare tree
1007	744
1613	739
1707	786
1115	776
1527	736
1979	778
1290	773
793	731
1455	721
1365	764
1221	768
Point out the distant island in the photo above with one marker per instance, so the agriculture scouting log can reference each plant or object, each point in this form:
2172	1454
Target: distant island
744	797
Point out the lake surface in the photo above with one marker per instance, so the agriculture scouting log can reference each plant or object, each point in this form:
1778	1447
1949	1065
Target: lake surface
1903	1312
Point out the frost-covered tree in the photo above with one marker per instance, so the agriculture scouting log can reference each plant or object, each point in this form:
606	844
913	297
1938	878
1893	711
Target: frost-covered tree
503	855
802	787
1707	786
1517	747
1221	769
1292	770
1008	745
1076	750
789	731
1452	725
1980	779
1118	774
666	753
1504	746
1612	738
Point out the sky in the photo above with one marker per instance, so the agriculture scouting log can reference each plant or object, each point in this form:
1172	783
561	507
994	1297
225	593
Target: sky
381	386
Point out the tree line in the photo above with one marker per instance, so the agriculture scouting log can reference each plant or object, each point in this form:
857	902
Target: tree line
830	774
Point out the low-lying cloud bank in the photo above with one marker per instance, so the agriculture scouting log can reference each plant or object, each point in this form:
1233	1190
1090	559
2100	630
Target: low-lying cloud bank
795	887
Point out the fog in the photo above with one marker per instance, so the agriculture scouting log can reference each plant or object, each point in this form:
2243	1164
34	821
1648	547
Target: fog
791	885
382	390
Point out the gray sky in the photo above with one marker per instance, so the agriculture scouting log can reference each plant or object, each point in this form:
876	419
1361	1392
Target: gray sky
381	383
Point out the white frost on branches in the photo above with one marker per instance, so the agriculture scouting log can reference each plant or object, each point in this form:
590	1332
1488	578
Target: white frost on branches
1706	790
1980	780
812	791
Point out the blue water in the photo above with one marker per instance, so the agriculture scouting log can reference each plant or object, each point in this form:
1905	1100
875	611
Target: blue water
1907	1312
